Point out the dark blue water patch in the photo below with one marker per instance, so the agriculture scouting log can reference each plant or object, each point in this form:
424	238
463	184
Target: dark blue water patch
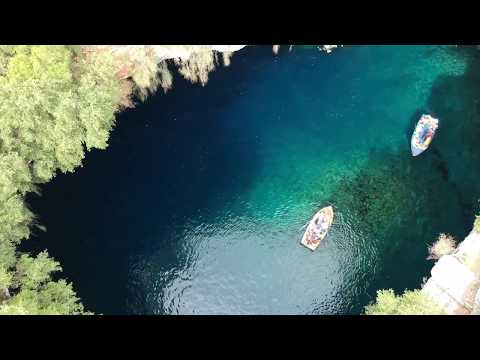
199	202
161	155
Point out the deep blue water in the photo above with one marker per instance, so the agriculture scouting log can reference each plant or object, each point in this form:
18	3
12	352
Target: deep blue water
198	204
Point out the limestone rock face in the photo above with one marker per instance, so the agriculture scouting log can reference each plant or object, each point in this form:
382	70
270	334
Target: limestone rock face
142	62
227	48
163	52
448	303
449	283
452	276
455	280
476	306
468	252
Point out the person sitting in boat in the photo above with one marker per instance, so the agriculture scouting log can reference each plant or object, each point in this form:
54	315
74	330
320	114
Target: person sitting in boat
322	225
427	134
428	138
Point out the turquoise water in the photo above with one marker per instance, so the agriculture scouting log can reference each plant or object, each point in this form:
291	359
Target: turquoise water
198	205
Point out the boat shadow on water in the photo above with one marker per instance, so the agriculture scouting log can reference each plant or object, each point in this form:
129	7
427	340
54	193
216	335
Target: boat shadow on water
456	100
433	152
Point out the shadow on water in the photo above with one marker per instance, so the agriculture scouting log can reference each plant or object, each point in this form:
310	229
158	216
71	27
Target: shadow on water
412	122
169	160
455	100
435	154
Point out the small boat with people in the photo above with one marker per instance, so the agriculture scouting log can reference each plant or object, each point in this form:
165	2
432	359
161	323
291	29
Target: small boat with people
423	134
317	228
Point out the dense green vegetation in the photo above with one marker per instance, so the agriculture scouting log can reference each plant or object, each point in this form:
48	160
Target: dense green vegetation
36	292
56	105
409	303
476	224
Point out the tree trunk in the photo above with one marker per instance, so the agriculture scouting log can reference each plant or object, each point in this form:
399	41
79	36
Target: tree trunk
4	294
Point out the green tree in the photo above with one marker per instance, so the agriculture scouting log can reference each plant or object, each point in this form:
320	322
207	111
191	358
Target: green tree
49	114
56	104
5	278
476	224
410	303
35	291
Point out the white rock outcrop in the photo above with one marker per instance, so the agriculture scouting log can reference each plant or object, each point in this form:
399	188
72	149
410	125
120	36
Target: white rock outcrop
476	305
455	280
163	52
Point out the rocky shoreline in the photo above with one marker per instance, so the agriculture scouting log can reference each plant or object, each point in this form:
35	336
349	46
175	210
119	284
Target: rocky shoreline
455	279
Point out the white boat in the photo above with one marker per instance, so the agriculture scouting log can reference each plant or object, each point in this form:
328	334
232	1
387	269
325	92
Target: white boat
423	134
318	228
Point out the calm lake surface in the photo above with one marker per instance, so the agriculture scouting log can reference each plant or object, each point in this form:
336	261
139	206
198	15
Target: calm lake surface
198	204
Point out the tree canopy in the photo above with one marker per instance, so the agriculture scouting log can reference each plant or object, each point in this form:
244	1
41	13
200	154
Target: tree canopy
409	303
56	105
37	293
